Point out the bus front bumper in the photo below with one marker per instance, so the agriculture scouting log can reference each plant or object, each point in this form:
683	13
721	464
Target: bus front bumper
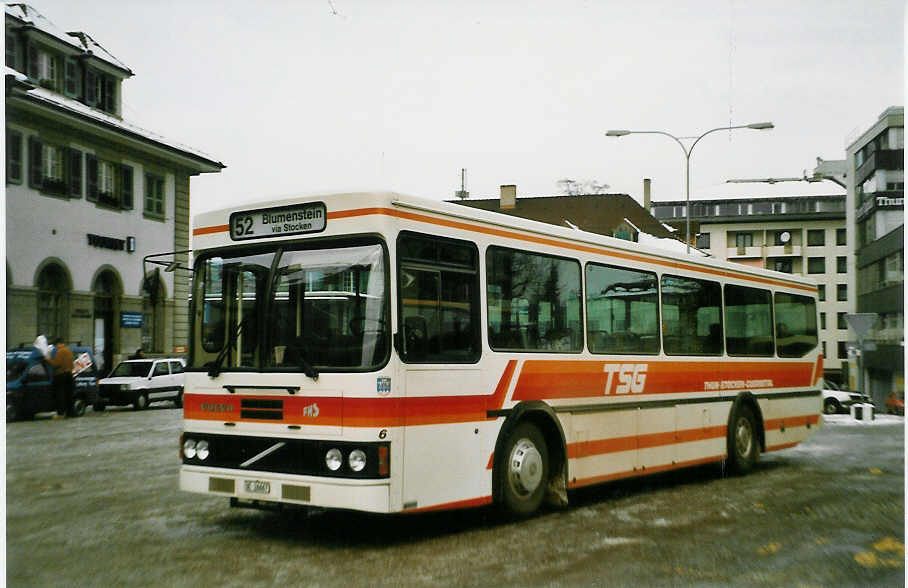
364	495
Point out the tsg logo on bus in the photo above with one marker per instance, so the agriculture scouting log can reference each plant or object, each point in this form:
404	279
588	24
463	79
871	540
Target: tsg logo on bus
280	221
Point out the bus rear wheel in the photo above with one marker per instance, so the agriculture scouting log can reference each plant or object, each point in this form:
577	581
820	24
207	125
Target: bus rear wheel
523	471
743	442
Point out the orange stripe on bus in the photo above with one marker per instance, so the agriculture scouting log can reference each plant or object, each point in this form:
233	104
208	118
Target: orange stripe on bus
644	471
794	421
549	379
210	230
469	503
618	444
552	242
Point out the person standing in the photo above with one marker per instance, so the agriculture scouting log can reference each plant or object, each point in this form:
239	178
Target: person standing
62	362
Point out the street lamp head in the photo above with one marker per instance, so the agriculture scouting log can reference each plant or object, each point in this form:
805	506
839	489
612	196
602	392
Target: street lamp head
761	125
617	133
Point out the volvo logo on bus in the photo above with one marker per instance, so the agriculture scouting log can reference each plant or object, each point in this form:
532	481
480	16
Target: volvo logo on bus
631	377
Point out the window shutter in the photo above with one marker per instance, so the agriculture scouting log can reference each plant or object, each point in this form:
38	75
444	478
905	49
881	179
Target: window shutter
35	164
91	169
75	173
31	65
14	157
126	200
91	88
71	78
110	90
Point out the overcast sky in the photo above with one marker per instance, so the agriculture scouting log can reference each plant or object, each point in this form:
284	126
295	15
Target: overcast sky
297	97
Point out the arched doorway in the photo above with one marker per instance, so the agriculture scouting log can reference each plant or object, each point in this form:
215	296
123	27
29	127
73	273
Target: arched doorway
107	300
52	302
153	297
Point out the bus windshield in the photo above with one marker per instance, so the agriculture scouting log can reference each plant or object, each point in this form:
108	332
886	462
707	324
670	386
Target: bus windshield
293	308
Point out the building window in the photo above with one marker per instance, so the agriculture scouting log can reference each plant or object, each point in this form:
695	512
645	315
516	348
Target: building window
841	323
703	241
894	268
53	294
13	156
782	238
822	320
821	292
842	349
816	238
72	78
841	237
816	265
101	91
54	169
841	264
154	195
841	292
109	183
744	240
783	265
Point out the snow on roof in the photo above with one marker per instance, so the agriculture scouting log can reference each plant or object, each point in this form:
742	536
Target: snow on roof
20	77
81	41
672	245
77	107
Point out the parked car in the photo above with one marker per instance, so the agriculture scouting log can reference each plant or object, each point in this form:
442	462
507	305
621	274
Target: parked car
895	403
836	400
30	383
140	382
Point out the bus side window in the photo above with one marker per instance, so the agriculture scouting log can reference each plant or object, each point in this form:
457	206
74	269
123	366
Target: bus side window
438	289
798	314
692	316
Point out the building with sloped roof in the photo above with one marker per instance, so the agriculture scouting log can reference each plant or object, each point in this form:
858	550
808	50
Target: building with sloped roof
88	196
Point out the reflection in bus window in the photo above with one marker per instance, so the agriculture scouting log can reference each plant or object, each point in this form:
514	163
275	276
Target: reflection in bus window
796	324
622	308
533	302
691	316
439	293
748	321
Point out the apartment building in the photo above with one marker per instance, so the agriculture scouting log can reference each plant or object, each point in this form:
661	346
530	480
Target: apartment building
88	195
796	234
876	211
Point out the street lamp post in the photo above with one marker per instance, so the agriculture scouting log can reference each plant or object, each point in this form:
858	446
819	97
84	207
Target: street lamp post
687	151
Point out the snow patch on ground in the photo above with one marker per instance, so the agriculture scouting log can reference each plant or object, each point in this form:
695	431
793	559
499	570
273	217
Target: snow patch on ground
846	420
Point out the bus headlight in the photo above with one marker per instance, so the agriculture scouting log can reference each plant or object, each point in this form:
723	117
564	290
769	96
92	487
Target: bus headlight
201	449
189	448
334	459
357	460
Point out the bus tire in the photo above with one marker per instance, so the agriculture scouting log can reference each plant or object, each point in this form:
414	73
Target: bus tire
523	471
743	440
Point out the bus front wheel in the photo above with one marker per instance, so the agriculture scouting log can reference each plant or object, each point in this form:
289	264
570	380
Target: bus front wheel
523	471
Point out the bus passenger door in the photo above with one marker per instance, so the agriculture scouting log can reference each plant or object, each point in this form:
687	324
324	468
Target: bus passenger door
442	461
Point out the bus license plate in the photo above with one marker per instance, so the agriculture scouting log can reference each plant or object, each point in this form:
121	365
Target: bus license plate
257	486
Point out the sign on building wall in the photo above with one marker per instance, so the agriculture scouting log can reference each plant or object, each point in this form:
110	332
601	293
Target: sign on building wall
131	320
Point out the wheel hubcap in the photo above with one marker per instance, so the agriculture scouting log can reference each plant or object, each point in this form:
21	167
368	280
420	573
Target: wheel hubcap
525	467
743	437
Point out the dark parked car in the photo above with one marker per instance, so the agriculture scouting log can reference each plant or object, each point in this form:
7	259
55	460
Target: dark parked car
29	383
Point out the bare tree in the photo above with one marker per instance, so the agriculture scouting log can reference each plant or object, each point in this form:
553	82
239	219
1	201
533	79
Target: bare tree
576	188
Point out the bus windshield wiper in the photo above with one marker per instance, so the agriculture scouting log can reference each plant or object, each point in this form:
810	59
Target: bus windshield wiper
214	368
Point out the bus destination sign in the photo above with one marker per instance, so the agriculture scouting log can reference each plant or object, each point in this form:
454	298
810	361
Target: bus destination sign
296	219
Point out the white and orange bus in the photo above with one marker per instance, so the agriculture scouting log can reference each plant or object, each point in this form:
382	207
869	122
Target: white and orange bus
386	353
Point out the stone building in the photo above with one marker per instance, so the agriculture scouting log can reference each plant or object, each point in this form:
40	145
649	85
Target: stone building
88	196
